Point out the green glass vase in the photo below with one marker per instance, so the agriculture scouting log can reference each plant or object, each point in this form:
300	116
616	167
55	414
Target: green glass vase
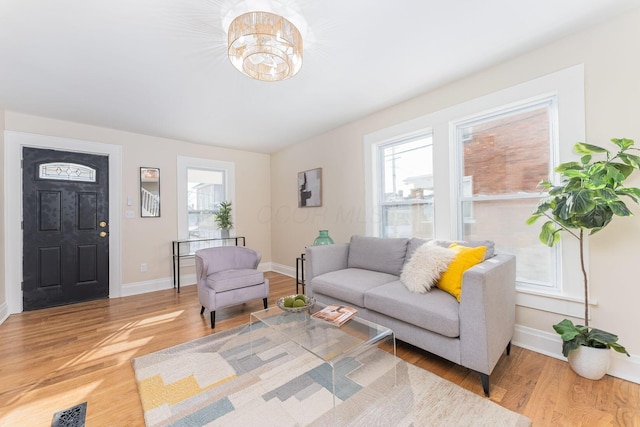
323	239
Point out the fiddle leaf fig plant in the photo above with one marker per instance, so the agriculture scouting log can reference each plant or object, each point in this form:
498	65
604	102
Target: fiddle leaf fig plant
586	200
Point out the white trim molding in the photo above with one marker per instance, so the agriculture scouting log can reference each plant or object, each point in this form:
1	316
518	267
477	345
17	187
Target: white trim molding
154	285
183	164
560	304
283	269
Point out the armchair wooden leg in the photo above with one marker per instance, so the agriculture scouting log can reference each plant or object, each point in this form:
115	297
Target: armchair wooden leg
213	319
264	300
202	310
509	348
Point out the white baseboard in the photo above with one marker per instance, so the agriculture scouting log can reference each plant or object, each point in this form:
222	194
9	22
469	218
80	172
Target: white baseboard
550	344
283	269
265	266
137	288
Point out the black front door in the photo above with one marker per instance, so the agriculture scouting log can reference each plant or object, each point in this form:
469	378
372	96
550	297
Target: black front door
65	206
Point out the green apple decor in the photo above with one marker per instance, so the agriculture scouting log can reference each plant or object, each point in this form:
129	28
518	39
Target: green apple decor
587	198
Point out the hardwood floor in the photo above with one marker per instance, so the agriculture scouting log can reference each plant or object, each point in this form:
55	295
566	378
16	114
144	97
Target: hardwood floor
56	358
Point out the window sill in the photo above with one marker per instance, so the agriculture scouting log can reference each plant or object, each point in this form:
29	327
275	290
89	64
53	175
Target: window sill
553	303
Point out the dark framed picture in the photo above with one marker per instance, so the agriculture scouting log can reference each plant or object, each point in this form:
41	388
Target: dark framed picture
310	188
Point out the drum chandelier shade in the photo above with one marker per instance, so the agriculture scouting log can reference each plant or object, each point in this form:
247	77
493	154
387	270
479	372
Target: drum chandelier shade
265	46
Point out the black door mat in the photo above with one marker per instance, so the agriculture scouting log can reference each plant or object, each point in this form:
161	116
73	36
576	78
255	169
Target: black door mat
71	417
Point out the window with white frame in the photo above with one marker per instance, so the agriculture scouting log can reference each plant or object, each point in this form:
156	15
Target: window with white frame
489	154
406	187
202	185
206	188
502	156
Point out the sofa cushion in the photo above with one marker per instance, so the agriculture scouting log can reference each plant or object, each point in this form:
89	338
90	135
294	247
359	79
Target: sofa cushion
349	285
416	242
425	266
436	311
466	257
227	280
377	254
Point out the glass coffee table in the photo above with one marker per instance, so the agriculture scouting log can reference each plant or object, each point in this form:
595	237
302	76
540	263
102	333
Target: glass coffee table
330	343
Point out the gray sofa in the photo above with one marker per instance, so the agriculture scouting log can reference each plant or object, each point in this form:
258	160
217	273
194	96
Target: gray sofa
365	274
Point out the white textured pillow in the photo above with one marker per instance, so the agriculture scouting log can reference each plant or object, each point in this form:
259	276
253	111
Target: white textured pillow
425	266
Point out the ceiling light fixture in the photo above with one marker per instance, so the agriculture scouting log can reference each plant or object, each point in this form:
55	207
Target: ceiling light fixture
265	46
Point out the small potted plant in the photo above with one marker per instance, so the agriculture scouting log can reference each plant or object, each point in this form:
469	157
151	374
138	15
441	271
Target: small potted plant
223	219
587	198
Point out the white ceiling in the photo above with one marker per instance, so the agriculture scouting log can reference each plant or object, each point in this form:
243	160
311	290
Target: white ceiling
159	67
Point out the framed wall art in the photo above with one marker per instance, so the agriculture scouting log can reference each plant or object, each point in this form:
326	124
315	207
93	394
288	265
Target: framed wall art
310	188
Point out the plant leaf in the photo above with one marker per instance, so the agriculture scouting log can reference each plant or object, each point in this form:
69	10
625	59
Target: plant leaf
543	205
596	167
549	234
620	349
619	208
568	166
582	148
533	219
545	184
604	338
630	159
594	230
575	173
561	211
566	329
557	190
624	170
580	203
600	336
608	195
623	143
599	217
632	192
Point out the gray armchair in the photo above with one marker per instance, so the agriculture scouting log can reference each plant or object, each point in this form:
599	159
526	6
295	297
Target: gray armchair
228	275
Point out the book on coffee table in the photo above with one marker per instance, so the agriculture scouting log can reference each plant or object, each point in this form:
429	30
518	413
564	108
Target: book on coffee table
336	314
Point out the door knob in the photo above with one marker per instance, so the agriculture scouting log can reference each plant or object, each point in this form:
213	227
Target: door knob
103	234
102	224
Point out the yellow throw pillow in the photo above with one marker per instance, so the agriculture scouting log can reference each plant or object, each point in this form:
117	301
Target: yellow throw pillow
451	279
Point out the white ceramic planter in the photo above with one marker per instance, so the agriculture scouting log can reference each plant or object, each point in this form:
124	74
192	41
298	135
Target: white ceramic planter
591	363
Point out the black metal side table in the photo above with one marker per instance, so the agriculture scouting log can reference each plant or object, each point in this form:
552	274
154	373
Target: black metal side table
300	272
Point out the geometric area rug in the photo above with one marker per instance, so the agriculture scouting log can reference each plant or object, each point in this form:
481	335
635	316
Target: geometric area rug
254	377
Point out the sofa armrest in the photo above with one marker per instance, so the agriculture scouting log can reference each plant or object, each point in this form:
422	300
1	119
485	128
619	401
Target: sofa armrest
323	259
487	312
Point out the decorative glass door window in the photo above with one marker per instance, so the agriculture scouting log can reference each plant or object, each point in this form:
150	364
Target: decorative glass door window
67	172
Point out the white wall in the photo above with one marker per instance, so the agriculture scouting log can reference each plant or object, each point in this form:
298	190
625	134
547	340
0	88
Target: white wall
609	52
